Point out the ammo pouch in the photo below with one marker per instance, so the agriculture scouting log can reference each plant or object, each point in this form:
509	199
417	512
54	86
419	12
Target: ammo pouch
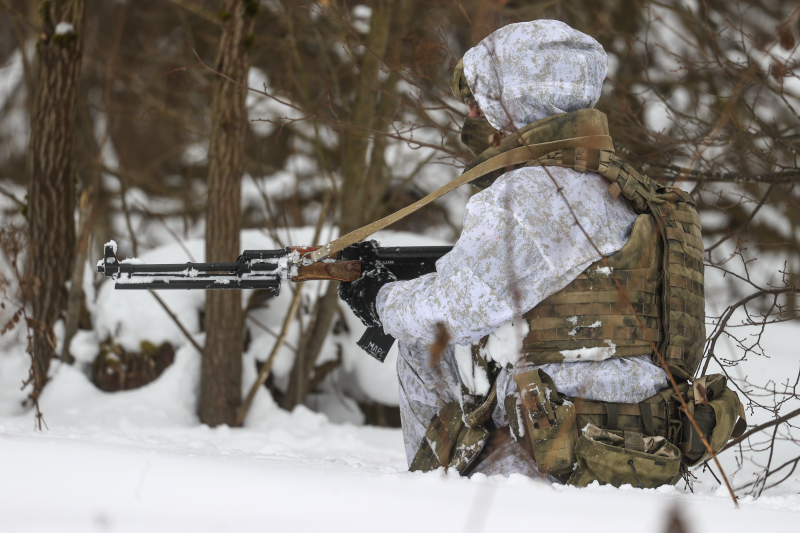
449	442
715	408
456	434
640	444
624	457
545	421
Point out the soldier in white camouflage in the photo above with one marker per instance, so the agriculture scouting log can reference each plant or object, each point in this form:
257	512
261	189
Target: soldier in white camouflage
543	343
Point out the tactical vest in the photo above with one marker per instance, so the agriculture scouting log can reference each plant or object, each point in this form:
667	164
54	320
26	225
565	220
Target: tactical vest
660	269
679	330
590	313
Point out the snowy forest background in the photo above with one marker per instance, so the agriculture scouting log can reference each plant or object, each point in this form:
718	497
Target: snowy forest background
128	120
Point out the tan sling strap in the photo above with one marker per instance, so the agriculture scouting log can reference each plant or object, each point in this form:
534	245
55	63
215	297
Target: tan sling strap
517	156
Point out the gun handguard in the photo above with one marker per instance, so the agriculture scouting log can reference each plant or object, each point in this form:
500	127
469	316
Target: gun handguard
266	269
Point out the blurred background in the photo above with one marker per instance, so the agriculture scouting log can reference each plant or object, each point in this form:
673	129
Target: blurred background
188	130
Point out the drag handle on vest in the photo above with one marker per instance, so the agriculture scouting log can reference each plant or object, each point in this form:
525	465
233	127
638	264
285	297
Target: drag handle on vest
376	343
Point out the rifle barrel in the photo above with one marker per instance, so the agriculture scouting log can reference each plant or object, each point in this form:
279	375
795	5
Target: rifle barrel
173	268
204	284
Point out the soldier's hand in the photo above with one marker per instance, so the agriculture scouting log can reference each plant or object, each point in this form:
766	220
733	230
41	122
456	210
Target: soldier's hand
362	293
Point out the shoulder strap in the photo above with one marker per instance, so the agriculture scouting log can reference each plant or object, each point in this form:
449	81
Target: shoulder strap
517	156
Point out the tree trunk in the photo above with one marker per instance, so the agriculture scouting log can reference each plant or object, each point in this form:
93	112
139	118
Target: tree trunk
221	375
350	209
51	196
390	16
301	378
354	164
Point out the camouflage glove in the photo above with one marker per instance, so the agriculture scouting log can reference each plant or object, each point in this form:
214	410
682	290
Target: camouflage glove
361	294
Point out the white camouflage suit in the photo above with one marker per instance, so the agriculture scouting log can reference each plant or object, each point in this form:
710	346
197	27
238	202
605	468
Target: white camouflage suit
520	243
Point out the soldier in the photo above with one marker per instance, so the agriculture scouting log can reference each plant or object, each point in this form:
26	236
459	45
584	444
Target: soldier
525	296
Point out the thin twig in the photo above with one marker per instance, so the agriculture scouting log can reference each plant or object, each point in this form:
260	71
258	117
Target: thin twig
177	322
18	16
166	226
720	327
745	223
267	367
268	330
774	471
11	196
366	132
761	427
769	461
197	9
784	465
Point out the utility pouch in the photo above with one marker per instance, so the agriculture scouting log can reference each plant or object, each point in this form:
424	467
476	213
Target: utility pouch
624	457
545	421
716	409
448	442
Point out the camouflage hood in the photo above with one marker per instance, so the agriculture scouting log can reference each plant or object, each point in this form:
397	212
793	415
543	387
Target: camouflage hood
525	72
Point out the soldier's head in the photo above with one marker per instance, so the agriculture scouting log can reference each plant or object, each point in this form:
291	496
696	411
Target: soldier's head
525	72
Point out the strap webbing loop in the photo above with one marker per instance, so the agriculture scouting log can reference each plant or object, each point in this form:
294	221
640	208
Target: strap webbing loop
613	416
647	419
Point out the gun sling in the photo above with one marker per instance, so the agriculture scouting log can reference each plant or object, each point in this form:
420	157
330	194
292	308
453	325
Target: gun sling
517	156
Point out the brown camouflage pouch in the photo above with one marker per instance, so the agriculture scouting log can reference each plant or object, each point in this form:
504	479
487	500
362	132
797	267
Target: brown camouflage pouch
456	434
449	442
624	458
717	411
544	421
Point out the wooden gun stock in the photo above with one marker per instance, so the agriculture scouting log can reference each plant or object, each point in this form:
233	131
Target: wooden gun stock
338	271
348	270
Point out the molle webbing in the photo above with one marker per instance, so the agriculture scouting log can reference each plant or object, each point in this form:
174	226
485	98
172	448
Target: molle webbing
651	419
680	296
589	312
546	422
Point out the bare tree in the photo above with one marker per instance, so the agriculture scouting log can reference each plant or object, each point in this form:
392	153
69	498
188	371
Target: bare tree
51	196
221	377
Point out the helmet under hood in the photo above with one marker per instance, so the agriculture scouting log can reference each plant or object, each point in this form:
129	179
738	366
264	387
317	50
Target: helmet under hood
525	72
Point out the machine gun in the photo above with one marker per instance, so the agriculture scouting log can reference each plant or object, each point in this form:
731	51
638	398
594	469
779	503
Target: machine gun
267	269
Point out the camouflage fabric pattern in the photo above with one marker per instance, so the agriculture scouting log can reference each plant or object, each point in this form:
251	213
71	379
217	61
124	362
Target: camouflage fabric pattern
716	409
525	72
430	392
581	123
519	243
459	86
588	320
624	458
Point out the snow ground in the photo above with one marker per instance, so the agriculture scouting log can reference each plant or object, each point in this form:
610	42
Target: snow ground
141	461
96	470
99	483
